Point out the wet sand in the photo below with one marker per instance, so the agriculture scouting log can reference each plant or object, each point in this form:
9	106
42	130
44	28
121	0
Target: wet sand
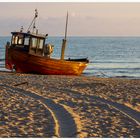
96	106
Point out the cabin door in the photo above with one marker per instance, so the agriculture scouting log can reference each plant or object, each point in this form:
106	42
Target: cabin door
36	46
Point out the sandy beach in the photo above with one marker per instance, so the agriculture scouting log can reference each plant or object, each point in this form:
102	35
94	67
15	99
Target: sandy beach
68	106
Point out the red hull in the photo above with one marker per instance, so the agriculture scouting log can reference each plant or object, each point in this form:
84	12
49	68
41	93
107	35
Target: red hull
27	63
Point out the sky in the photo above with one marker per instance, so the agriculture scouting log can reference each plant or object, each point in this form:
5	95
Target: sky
85	19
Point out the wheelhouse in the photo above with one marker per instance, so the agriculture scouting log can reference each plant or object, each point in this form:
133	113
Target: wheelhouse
32	43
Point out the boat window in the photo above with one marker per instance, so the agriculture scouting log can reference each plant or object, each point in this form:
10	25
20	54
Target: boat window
40	46
14	39
26	41
20	40
34	43
17	40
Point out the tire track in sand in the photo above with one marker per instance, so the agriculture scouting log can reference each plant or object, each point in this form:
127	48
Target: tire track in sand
65	124
130	113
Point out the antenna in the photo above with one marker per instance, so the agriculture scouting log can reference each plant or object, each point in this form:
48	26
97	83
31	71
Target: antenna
21	29
33	23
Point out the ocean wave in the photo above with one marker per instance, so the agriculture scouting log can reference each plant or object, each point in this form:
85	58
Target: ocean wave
102	68
2	59
114	62
106	75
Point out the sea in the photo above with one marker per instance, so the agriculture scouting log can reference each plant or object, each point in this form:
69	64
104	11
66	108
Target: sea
108	56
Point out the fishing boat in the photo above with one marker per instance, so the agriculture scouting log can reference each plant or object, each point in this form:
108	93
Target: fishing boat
28	53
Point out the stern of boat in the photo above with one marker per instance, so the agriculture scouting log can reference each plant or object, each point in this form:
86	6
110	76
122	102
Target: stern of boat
8	61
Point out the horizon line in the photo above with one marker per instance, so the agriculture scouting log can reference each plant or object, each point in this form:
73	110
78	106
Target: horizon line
86	36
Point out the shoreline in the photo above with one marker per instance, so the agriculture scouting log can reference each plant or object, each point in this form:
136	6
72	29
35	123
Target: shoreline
87	99
84	75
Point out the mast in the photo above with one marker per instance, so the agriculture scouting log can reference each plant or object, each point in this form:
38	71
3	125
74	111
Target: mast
64	42
66	26
33	23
